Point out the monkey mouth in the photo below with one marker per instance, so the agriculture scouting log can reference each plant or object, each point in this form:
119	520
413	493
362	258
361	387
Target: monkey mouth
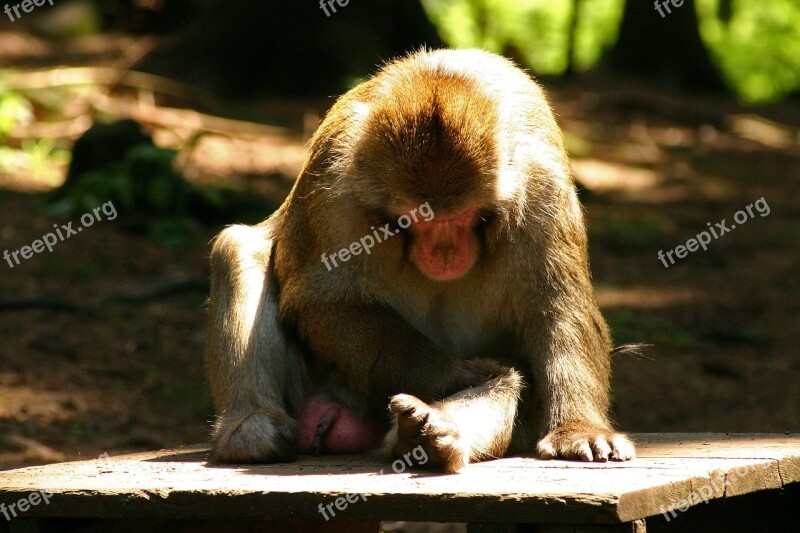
445	248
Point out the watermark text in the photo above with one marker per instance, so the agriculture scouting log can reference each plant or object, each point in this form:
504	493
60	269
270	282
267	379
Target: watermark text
326	5
703	239
663	5
367	242
398	466
61	233
26	6
24	504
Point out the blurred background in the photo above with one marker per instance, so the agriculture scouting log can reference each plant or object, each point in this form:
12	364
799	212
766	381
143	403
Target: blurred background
188	115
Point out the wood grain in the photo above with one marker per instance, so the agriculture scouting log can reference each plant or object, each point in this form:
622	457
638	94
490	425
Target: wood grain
672	471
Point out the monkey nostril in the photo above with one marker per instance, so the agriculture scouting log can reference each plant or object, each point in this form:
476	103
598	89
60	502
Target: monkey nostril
446	253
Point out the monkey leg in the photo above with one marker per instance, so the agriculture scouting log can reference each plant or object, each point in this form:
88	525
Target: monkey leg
256	375
472	425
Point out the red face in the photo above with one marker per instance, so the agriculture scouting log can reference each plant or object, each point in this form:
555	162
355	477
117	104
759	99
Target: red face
446	247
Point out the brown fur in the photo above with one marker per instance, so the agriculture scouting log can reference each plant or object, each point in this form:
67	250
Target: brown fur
513	353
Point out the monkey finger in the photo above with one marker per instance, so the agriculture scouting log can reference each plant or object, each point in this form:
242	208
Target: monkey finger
582	450
601	449
622	448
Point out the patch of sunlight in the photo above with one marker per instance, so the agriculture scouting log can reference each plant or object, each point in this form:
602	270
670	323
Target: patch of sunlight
761	130
599	175
644	297
37	167
24	402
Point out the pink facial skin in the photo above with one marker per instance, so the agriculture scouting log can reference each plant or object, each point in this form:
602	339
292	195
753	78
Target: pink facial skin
445	248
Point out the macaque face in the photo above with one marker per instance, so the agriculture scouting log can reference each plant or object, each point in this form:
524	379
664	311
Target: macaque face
432	147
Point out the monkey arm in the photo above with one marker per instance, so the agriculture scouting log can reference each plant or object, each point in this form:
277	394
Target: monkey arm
569	350
570	361
566	339
256	375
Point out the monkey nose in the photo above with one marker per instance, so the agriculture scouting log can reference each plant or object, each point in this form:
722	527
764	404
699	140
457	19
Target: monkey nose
446	254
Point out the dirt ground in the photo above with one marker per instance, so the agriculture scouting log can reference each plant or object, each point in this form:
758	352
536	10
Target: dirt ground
101	341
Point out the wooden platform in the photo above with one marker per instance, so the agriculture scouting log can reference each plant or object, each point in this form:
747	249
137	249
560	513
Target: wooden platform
672	473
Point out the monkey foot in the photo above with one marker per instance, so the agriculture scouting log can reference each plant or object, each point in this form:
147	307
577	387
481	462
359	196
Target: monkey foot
586	442
263	436
420	425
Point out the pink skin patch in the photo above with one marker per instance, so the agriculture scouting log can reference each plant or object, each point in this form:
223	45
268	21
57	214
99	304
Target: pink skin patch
326	426
445	248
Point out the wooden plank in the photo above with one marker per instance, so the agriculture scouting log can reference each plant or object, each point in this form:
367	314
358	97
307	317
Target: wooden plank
671	470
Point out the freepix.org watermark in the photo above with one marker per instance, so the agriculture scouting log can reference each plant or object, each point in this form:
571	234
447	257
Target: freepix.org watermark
26	6
62	233
399	466
662	5
703	239
23	505
367	242
326	5
706	491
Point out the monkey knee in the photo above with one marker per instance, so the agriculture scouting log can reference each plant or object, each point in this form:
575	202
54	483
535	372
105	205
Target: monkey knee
229	238
263	436
233	240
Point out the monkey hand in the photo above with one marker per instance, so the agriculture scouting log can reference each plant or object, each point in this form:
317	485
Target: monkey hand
585	441
419	424
262	436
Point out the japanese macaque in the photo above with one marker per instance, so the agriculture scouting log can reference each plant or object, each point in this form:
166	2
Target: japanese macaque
432	259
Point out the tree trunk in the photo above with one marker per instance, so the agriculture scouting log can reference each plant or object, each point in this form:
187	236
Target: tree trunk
667	49
572	32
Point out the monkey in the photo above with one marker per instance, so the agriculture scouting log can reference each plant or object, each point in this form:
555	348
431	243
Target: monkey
469	327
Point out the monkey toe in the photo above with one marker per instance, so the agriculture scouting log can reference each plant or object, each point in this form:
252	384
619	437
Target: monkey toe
601	450
412	415
263	436
622	448
406	404
443	443
421	425
586	443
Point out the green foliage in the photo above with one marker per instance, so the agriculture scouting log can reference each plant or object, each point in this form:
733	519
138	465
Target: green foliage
39	158
193	395
14	109
143	185
756	45
55	267
144	180
175	231
537	29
